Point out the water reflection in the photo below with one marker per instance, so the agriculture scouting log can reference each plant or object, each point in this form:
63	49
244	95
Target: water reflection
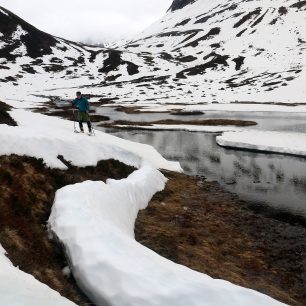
273	121
275	180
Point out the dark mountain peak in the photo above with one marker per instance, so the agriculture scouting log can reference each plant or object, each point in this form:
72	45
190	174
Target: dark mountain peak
179	4
38	43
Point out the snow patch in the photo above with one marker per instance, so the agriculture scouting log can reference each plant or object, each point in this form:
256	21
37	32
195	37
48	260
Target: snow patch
21	289
274	142
18	33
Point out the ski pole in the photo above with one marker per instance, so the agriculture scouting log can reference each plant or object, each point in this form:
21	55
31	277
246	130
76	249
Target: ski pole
74	128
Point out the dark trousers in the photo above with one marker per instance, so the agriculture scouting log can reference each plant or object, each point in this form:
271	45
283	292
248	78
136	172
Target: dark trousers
88	124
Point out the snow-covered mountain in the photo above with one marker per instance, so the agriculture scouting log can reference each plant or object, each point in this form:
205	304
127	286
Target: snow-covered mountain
27	50
233	50
200	51
34	61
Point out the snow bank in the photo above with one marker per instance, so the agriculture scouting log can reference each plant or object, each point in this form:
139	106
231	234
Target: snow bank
95	223
47	137
182	127
230	107
21	289
276	142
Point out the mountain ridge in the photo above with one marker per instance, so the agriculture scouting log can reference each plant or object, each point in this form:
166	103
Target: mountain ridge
37	42
201	51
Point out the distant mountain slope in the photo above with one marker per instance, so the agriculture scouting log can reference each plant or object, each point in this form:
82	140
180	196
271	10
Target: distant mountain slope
200	51
241	49
30	56
37	43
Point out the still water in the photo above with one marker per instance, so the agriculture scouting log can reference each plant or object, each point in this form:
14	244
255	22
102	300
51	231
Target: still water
266	180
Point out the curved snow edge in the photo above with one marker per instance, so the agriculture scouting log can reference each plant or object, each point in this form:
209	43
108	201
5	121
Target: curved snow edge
266	141
95	223
46	137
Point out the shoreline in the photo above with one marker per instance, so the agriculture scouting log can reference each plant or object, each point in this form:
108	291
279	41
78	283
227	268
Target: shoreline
200	225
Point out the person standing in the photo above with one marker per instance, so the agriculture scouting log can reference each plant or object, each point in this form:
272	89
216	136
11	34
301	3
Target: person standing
83	106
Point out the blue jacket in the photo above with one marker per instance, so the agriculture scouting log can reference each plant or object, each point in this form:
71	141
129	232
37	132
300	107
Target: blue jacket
82	104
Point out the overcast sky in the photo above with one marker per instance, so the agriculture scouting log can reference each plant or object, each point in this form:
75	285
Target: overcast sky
89	20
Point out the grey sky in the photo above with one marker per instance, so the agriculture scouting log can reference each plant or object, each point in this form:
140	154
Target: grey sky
89	20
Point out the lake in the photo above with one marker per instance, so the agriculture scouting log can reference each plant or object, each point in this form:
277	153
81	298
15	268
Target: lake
266	181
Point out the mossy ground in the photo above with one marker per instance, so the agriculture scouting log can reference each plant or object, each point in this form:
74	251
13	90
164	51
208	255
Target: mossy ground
27	189
197	224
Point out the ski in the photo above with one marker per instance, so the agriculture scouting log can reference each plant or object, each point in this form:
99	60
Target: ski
88	134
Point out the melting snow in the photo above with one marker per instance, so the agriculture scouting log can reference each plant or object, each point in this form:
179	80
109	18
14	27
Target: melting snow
277	142
95	223
47	137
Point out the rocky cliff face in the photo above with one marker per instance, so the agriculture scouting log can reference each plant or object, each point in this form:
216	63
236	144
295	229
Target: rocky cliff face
16	32
179	4
26	47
